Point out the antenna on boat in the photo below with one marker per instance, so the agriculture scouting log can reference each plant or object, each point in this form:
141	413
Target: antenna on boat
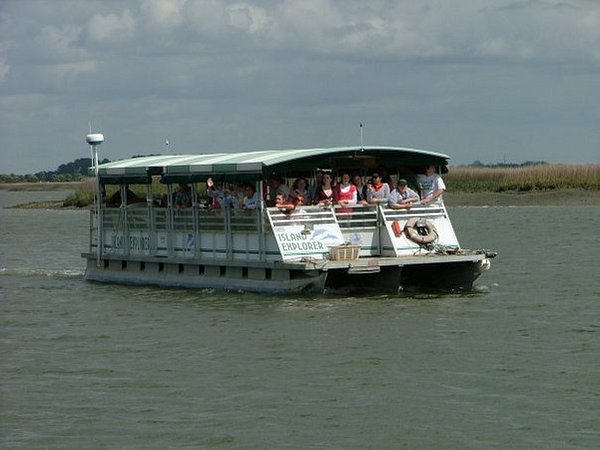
361	138
95	139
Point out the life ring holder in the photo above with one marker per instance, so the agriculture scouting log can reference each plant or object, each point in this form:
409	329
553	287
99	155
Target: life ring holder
415	224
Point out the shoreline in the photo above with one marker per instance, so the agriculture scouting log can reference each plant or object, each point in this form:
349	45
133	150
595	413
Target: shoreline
40	186
559	197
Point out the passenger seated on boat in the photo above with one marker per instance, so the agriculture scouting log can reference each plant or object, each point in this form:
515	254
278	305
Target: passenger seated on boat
298	201
361	190
346	193
325	194
300	187
232	196
402	196
431	184
217	196
208	194
183	196
312	190
250	201
290	206
284	204
385	177
278	186
378	191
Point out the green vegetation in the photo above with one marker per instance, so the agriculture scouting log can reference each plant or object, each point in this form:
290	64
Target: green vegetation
84	192
73	171
540	177
82	196
535	177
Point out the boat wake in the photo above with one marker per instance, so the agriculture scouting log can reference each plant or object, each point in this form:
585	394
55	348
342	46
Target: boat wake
61	274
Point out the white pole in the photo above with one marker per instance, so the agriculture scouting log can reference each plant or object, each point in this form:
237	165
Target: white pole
361	137
95	140
97	201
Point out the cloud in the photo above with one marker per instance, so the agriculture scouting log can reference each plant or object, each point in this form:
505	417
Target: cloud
4	69
163	15
58	44
69	70
248	18
536	30
461	74
111	28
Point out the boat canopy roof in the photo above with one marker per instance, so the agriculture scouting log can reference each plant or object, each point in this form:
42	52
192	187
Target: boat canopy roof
264	164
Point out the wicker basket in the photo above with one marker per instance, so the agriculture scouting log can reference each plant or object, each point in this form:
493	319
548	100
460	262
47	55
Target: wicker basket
340	252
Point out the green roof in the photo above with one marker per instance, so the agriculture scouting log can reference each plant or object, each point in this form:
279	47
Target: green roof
264	163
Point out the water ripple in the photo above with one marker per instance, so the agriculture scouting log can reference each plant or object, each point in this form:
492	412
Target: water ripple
61	274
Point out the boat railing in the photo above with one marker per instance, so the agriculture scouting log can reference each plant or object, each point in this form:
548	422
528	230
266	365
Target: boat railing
232	233
357	216
305	215
424	210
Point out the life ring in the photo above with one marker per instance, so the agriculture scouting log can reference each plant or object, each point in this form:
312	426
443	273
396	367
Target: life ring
420	230
396	228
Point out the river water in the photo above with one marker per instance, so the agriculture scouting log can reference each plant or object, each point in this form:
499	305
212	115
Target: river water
514	365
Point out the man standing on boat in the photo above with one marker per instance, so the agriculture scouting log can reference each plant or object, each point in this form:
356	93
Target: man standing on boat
431	184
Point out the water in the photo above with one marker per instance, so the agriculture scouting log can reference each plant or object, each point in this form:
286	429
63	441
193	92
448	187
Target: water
514	365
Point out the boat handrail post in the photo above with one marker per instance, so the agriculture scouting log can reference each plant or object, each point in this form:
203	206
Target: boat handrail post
261	217
151	228
380	226
228	236
170	221
125	214
195	219
261	231
93	219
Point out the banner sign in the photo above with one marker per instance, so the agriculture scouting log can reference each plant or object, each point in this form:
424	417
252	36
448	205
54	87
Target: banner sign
295	241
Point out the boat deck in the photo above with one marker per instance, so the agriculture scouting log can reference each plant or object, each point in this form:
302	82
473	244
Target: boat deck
373	263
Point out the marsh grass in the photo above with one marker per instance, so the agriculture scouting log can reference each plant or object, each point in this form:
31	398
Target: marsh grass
35	186
543	177
467	179
83	195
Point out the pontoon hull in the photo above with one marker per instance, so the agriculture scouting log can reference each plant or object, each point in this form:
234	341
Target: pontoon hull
457	274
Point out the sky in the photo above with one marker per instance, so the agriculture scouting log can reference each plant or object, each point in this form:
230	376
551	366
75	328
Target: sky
493	81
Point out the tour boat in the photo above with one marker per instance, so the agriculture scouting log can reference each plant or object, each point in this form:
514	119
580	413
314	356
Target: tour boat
149	239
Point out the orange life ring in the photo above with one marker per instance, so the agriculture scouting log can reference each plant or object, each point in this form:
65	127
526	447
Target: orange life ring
396	228
420	230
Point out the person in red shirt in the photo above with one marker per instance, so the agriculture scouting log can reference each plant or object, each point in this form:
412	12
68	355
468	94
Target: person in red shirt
346	192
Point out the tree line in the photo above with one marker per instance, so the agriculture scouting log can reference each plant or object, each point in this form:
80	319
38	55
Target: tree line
72	171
